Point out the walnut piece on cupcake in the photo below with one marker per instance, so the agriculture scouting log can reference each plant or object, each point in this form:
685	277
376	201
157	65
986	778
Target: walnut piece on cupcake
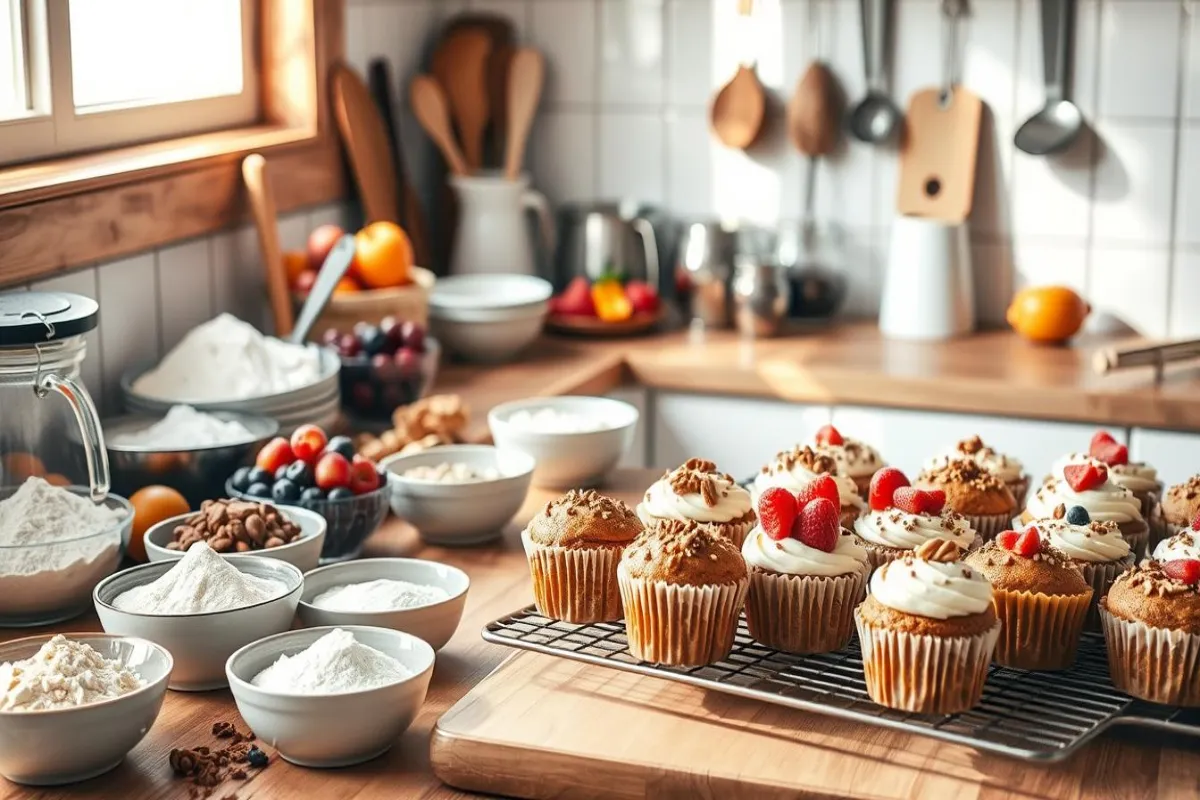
795	469
903	519
697	492
1005	467
855	460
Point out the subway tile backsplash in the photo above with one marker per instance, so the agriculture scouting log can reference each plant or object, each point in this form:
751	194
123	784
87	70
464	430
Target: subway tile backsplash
625	115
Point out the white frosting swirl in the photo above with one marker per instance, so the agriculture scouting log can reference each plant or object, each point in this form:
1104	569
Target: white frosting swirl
900	529
1185	544
1006	468
793	557
931	588
854	459
661	502
1082	542
1136	476
1105	502
797	476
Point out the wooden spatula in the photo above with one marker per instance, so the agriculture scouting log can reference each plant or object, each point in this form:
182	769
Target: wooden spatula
432	111
367	145
262	204
526	75
938	153
460	65
500	30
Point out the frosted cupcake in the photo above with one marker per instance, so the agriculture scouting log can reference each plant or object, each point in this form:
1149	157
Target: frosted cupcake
855	460
1097	549
902	519
1088	484
1183	545
1005	467
797	468
807	574
927	632
1136	476
696	492
975	492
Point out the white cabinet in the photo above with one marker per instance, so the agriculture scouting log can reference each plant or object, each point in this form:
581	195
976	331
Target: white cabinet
1175	455
635	456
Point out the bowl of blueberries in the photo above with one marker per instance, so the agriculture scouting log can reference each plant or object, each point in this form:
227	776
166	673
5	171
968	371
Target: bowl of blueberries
383	366
323	474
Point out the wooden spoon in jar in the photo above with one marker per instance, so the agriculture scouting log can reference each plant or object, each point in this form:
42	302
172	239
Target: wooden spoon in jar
431	110
737	112
460	66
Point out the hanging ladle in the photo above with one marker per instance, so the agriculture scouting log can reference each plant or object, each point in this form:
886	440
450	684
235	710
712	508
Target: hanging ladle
1057	124
876	117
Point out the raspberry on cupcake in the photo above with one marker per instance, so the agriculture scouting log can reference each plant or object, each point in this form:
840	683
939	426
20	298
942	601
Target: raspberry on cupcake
1005	467
1040	598
975	492
797	468
807	573
855	460
573	547
1096	548
697	492
1088	483
903	519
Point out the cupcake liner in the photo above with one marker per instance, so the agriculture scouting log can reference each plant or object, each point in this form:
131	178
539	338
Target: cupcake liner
988	526
1160	529
1156	664
878	555
733	531
862	483
1100	575
575	584
803	613
925	674
1039	631
686	626
1137	533
1019	489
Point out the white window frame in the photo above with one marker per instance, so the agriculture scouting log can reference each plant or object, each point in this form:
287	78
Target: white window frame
53	128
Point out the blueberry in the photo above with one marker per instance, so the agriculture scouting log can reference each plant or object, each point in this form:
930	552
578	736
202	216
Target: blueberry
258	475
1078	515
260	490
280	473
340	493
285	492
241	479
256	757
300	474
341	444
312	495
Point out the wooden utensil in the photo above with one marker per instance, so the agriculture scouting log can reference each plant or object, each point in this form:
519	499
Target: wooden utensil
367	145
737	111
526	75
262	204
814	112
938	155
460	65
500	30
429	105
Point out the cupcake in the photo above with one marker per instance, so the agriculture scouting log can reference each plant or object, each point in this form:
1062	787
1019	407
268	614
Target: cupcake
1006	468
1040	598
855	460
1096	548
807	574
1136	476
682	587
973	491
797	468
1183	545
902	519
573	547
1151	621
927	632
696	492
1180	505
1087	483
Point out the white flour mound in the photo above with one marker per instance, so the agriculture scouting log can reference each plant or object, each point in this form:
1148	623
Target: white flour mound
63	674
200	583
336	662
382	594
183	427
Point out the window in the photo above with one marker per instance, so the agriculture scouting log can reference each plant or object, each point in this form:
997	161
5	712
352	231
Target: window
79	75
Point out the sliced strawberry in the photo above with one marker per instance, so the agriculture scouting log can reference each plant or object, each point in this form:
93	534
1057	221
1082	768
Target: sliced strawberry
1082	477
777	510
936	500
919	501
1008	539
818	525
1029	543
1196	523
1183	569
824	486
829	435
884	484
1112	454
1101	439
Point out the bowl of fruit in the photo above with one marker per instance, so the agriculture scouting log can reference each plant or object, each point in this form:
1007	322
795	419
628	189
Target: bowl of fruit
609	306
324	475
384	366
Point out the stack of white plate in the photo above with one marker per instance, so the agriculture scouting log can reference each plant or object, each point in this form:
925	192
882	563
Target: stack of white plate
317	404
488	317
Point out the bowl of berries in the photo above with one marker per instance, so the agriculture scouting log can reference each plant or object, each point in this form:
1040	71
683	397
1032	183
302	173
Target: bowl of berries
605	307
384	366
322	474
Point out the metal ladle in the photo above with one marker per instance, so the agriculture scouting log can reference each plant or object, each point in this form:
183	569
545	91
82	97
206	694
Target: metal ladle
1057	124
876	117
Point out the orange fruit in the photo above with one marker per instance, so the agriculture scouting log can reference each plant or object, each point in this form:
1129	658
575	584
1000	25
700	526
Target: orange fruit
58	479
383	256
1047	314
18	466
151	505
294	262
346	285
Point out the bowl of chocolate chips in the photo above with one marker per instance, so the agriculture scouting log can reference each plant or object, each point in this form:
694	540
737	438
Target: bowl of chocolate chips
236	528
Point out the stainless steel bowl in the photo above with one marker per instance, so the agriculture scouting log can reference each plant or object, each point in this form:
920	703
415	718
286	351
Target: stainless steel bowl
197	473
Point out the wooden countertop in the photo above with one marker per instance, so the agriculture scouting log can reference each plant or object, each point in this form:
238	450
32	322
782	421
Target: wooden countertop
992	373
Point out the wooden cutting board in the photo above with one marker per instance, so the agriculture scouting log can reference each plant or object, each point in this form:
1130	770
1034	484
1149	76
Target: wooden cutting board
544	727
938	153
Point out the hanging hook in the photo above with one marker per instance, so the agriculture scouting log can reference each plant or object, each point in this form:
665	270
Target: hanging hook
952	13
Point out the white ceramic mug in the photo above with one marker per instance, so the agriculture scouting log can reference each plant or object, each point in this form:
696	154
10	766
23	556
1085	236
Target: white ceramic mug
927	291
492	235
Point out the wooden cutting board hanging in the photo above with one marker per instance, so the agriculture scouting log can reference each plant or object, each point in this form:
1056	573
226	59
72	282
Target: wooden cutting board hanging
938	153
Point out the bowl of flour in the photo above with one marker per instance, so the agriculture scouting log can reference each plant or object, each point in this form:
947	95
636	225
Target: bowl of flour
55	546
201	608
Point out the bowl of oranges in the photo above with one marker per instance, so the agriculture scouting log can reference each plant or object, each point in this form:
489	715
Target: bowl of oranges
382	280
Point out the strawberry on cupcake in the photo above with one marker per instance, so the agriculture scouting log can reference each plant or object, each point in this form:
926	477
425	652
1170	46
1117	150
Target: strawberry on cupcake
902	518
796	468
856	460
1136	476
807	573
1089	484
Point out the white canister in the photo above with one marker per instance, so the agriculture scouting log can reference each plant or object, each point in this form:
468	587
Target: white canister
927	292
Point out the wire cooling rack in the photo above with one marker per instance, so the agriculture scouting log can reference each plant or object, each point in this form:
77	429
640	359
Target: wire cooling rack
1035	716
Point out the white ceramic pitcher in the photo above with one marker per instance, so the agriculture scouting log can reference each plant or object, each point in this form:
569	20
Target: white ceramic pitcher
492	235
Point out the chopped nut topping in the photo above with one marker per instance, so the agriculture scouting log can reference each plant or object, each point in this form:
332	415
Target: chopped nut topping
1060	510
942	551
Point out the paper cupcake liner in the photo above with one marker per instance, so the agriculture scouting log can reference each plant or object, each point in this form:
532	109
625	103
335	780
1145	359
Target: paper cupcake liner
686	626
1100	576
1039	631
803	613
1019	489
1137	533
575	584
733	531
1156	664
878	555
989	526
925	674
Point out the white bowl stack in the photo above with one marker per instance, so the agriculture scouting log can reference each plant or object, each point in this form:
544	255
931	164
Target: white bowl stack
488	318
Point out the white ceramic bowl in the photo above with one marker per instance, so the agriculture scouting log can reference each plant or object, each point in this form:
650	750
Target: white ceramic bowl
201	643
488	336
457	295
568	460
460	513
331	730
435	623
50	748
304	553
